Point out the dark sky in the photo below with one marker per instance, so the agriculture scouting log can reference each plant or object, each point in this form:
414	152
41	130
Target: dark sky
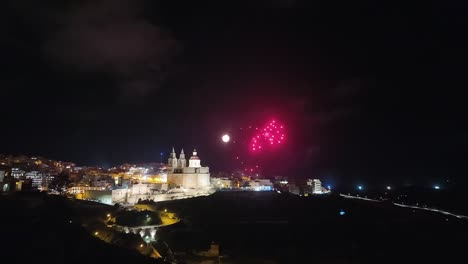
369	90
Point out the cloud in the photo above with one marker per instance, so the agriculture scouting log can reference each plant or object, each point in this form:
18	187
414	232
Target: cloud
114	38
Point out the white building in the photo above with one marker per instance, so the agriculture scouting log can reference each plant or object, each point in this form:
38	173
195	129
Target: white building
221	183
260	185
37	178
17	173
315	187
192	177
137	171
82	189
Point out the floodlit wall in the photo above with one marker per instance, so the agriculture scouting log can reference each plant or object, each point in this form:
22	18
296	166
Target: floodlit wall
99	196
119	195
137	189
132	199
189	180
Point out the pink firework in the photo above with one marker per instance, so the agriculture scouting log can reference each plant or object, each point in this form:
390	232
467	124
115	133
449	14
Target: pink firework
270	135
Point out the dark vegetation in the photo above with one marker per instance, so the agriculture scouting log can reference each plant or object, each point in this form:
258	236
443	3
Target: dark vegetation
291	229
137	218
250	227
38	227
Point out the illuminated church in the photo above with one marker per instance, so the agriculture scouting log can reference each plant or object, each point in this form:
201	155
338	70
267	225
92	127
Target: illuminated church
192	177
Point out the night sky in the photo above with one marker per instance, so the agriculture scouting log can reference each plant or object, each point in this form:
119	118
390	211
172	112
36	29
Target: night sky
370	91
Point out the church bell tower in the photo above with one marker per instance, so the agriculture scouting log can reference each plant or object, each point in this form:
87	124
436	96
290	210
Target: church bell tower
182	160
172	161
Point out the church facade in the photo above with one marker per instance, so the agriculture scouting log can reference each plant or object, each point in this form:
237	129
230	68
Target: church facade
193	176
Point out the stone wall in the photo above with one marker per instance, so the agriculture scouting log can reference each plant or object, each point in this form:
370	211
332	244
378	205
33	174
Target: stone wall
189	180
122	196
99	196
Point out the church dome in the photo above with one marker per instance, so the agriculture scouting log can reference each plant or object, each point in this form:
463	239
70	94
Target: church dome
194	155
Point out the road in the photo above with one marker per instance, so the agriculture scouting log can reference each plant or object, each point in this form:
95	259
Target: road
167	218
408	206
432	210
